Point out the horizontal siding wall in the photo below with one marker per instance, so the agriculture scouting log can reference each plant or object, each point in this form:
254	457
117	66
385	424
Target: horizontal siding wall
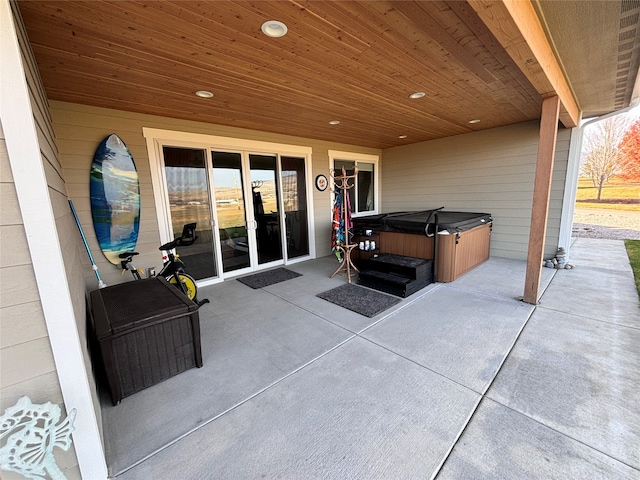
25	355
490	171
79	130
26	361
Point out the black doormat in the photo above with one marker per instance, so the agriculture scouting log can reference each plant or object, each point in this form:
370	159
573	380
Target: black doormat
359	299
270	277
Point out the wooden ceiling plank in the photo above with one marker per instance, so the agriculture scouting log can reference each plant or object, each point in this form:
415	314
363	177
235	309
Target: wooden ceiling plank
205	72
466	88
158	79
324	98
124	77
325	91
470	18
355	65
479	39
234	67
239	40
282	127
149	57
382	121
410	44
345	135
518	29
505	86
418	13
373	32
304	22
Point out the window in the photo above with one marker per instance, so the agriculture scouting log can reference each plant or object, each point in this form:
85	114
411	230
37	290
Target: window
364	195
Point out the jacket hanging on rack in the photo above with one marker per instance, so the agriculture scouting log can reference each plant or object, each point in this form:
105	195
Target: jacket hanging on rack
338	230
336	221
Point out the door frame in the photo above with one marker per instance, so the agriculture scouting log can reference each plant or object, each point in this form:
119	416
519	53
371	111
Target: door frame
158	138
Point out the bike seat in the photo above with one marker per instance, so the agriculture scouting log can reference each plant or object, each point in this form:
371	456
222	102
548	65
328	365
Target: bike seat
127	254
188	236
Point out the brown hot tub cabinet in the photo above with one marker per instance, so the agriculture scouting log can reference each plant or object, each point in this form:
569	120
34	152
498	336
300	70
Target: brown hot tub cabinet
463	238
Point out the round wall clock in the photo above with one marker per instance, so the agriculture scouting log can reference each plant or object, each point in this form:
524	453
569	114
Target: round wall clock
322	183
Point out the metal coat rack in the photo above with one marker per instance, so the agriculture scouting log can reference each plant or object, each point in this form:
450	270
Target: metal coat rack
341	185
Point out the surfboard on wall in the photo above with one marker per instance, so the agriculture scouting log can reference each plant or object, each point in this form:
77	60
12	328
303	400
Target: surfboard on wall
115	198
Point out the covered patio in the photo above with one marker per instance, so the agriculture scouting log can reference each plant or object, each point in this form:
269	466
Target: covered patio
460	380
472	105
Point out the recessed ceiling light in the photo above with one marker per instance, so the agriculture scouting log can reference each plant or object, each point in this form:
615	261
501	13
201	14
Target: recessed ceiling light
204	94
334	122
274	29
402	136
417	95
474	121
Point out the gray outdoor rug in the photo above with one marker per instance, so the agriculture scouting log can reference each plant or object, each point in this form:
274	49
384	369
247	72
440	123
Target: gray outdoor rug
359	299
270	277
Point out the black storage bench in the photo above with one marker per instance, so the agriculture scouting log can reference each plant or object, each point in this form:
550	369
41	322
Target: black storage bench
148	331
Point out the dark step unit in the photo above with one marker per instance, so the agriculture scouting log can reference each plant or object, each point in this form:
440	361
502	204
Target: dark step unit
396	274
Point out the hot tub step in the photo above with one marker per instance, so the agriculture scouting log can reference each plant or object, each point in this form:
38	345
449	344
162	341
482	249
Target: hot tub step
393	283
415	268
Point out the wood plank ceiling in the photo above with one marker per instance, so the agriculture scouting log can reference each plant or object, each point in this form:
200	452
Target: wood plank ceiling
356	62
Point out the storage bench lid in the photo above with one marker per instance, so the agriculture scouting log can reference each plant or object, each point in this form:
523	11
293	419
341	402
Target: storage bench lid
124	306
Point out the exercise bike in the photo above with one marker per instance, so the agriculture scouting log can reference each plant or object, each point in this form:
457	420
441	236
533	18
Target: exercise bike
173	269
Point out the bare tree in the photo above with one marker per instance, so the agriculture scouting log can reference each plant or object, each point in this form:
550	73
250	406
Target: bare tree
601	152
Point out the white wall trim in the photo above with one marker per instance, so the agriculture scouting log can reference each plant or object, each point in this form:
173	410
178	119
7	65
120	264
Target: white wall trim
158	183
359	157
170	137
40	227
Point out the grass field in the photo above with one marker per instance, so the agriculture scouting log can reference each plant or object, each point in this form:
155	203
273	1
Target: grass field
616	195
633	250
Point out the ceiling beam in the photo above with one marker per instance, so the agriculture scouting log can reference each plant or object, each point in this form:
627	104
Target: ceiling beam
516	26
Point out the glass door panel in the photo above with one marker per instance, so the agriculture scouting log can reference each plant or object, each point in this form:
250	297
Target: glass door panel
189	203
266	205
231	211
294	195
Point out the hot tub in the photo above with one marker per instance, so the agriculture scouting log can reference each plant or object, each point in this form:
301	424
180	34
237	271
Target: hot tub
463	240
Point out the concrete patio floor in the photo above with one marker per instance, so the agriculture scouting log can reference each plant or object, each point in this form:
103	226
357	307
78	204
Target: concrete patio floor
458	381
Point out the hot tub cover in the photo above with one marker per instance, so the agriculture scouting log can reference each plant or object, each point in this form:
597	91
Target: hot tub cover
422	222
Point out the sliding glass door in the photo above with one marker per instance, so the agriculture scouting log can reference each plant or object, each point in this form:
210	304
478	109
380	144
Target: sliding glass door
232	221
266	208
294	196
188	191
250	209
